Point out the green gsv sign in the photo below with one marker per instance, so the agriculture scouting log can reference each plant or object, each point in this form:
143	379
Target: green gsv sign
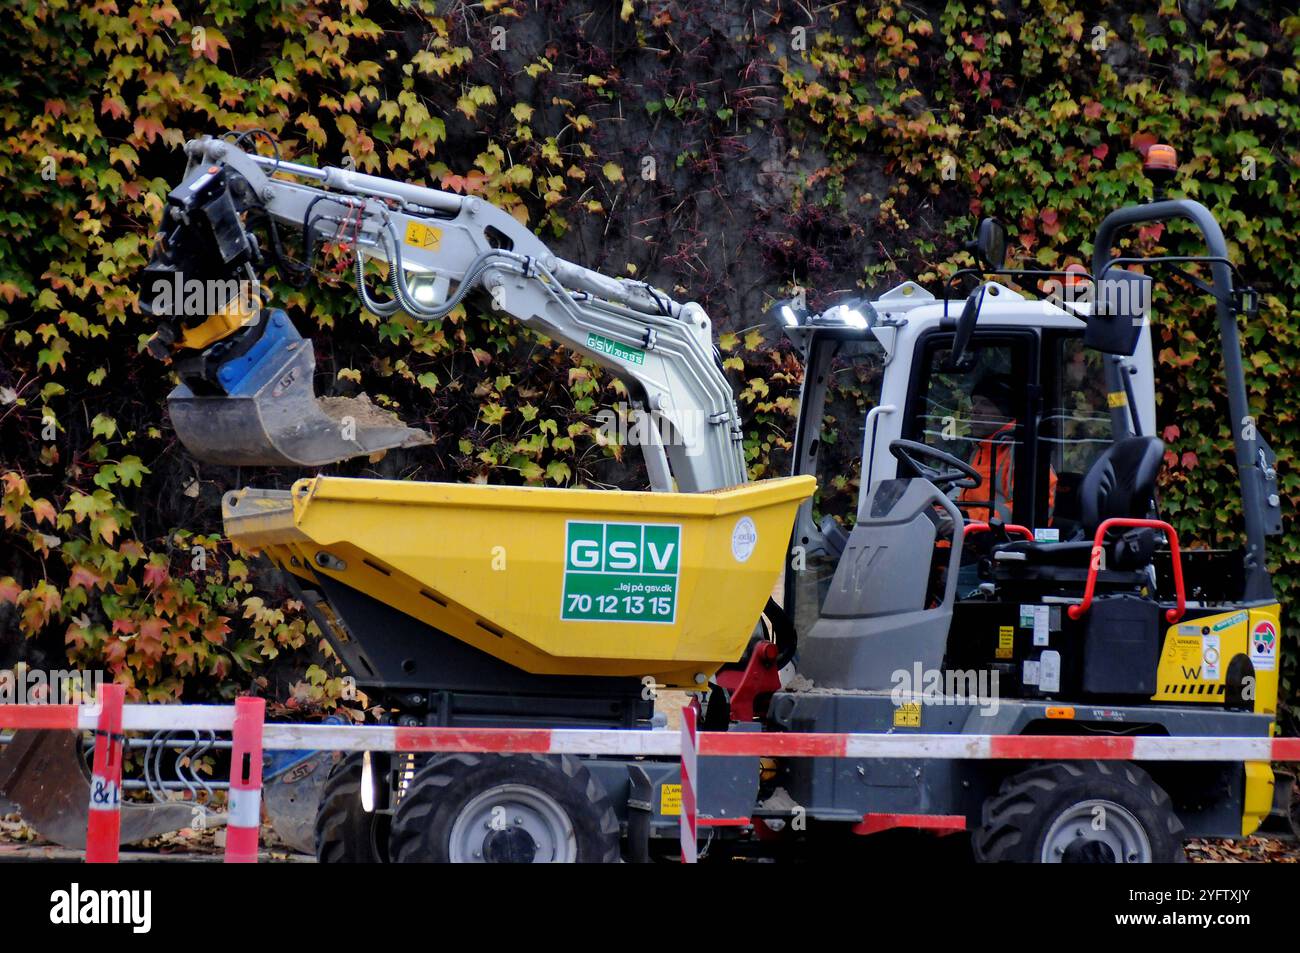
624	352
621	572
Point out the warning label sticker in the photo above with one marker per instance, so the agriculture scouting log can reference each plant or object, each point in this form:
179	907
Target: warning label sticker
1006	641
1184	651
670	799
1263	646
419	235
621	572
908	715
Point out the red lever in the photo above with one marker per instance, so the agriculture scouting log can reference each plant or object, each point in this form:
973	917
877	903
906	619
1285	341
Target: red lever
979	526
1094	565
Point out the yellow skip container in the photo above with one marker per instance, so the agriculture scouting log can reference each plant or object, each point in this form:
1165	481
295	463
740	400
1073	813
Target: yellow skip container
553	581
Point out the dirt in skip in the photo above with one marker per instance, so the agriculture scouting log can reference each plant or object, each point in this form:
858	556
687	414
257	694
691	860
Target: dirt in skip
671	704
361	409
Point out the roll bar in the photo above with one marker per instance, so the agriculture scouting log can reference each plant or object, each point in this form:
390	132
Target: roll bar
1258	585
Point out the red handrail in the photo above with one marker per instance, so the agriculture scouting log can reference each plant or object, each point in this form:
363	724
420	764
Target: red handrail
979	526
1094	564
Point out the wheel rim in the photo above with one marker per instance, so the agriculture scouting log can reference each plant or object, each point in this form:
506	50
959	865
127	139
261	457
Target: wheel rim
1096	832
513	823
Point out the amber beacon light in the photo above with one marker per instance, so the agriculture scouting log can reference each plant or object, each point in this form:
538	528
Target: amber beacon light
1161	158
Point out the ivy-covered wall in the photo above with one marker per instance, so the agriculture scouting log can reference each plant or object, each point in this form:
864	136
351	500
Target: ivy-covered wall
730	152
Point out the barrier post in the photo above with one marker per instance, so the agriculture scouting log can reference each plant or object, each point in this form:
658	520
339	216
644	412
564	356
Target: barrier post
245	806
689	764
104	821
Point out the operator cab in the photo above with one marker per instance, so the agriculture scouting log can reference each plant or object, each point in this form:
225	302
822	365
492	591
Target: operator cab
1026	405
987	473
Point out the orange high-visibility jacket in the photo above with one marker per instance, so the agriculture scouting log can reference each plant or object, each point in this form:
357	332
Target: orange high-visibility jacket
994	460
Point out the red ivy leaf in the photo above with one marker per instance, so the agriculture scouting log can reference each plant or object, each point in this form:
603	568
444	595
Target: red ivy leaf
148	128
1142	141
83	578
114	107
155	575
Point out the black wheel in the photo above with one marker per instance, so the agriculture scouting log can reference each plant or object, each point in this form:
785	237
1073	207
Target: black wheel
1096	812
345	832
523	809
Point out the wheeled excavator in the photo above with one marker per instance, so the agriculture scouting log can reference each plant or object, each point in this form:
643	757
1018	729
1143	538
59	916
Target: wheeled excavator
996	565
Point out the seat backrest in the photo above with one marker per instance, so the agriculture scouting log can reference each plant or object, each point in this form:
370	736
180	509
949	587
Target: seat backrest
1121	482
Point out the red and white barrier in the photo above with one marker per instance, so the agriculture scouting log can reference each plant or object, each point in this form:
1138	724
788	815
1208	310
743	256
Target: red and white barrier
777	744
690	842
48	717
251	736
662	743
244	811
104	823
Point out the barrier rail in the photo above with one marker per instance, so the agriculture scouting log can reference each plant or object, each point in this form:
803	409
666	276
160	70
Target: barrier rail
110	720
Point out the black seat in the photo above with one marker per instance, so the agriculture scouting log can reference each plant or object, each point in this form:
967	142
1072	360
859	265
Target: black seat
1120	483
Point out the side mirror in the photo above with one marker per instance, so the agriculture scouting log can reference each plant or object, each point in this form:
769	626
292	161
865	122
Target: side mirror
1121	303
970	314
990	244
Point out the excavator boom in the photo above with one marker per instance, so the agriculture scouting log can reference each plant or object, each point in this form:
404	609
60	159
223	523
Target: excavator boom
246	392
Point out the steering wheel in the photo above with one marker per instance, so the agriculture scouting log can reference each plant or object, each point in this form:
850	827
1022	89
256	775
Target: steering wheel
959	473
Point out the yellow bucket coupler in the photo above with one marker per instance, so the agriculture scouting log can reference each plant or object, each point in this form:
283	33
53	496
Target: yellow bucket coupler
552	581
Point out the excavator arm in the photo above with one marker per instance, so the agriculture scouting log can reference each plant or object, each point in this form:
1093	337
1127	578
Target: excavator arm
245	395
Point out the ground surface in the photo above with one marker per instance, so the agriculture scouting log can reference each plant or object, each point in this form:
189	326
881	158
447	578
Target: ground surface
19	843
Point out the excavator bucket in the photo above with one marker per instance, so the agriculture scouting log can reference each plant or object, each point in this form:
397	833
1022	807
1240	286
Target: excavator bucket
44	773
269	414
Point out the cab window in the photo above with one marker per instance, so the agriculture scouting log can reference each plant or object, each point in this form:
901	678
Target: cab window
977	412
1075	427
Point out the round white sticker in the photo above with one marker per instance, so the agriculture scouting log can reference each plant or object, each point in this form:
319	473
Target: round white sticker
743	539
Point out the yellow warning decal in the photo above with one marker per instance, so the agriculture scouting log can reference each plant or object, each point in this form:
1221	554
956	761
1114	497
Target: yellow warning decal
908	715
423	236
1006	641
1117	398
670	799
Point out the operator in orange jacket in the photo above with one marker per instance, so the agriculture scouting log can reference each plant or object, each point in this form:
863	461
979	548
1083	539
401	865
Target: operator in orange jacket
994	427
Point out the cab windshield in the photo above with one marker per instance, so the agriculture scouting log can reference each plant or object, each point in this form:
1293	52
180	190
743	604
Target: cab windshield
833	451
